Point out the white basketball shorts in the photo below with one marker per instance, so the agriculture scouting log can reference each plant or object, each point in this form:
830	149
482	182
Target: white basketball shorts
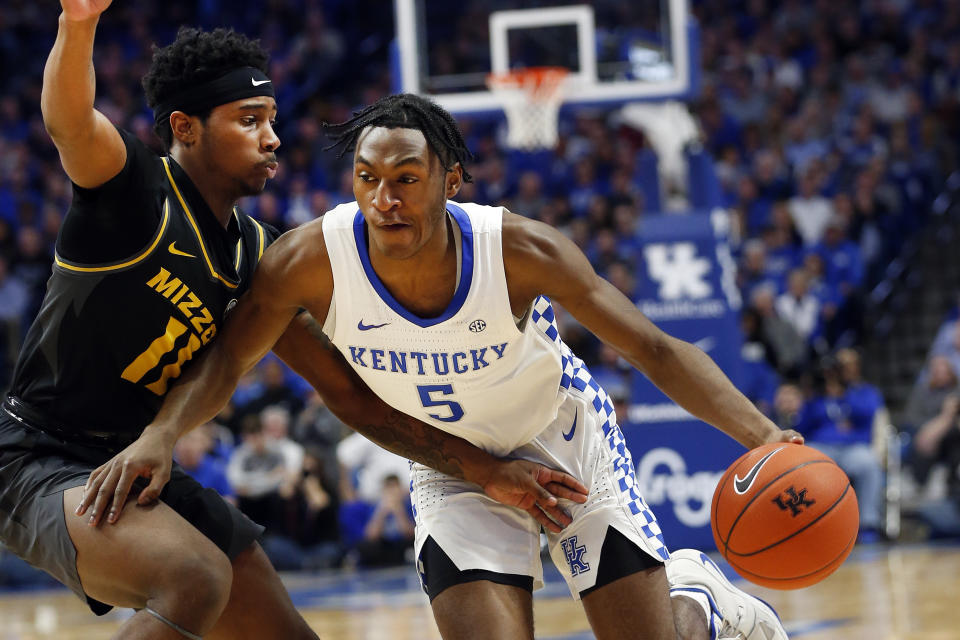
478	533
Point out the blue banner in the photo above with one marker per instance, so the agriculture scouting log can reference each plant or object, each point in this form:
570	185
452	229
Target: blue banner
686	286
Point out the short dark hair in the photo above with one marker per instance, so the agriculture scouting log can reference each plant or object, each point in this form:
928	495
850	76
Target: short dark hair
408	111
195	57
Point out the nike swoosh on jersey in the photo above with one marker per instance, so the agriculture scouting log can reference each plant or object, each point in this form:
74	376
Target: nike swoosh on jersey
257	83
367	327
569	436
173	249
742	485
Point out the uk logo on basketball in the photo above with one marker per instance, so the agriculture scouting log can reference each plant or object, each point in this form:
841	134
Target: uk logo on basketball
795	501
574	555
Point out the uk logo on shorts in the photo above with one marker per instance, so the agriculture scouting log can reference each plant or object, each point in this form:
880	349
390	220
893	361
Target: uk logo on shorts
574	555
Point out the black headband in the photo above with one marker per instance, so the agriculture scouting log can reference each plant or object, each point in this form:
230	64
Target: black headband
245	82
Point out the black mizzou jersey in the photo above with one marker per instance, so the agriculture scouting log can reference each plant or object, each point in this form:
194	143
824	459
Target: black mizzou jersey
110	338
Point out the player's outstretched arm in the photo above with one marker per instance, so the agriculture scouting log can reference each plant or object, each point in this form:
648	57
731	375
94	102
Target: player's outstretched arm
91	150
541	261
518	483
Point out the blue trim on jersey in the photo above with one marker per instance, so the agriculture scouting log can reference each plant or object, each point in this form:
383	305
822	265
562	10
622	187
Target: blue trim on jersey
466	269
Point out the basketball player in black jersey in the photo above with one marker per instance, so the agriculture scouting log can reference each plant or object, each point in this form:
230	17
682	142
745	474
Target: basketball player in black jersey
151	256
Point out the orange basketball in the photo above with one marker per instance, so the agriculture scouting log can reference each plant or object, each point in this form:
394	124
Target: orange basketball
784	516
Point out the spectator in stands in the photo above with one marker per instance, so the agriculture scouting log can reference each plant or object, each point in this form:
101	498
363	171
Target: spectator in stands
839	422
192	452
811	212
930	404
275	421
947	343
388	533
621	275
938	440
783	243
785	348
611	372
316	427
933	387
799	307
310	529
788	405
529	198
753	270
759	379
256	472
276	389
841	257
363	469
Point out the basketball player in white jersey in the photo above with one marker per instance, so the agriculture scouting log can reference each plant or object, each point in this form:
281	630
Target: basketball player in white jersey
444	310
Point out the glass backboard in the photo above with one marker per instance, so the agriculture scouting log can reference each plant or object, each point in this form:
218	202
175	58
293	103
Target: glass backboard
615	50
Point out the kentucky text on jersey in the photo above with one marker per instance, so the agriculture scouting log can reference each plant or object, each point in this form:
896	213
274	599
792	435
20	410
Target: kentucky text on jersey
421	363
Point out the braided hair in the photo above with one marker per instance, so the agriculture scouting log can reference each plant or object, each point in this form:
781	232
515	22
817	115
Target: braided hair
408	111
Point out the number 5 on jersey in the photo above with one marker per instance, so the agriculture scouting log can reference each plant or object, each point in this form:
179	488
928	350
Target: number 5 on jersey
428	400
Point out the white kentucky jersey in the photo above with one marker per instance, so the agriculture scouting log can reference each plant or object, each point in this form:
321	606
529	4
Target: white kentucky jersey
469	371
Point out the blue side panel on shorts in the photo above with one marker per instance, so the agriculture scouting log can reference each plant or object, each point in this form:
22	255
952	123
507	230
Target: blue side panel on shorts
576	375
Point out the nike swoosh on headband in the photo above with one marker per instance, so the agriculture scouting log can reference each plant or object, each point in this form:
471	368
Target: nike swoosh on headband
257	83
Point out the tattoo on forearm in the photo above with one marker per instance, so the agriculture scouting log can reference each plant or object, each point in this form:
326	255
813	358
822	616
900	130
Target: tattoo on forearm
416	441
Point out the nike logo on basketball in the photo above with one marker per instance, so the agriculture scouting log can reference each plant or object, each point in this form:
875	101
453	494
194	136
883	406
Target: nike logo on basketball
742	485
257	83
569	436
367	327
173	249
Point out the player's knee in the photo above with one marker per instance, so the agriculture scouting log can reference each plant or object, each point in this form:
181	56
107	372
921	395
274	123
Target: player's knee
195	586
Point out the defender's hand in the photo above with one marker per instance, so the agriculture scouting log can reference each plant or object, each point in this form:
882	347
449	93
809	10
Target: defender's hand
535	489
107	488
78	10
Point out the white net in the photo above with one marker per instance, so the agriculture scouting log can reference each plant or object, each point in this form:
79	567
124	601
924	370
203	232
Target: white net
531	99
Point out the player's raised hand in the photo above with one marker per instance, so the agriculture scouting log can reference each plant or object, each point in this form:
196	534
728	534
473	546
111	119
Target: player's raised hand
78	10
535	489
149	456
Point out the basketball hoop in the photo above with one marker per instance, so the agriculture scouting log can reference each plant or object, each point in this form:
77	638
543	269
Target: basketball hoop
531	99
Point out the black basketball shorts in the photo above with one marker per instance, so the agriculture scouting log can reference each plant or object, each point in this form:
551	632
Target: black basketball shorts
35	470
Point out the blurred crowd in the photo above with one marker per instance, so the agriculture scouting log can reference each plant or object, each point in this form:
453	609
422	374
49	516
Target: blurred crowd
832	124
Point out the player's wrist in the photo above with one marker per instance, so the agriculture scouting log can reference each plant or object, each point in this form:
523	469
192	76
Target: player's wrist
166	434
67	20
480	469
